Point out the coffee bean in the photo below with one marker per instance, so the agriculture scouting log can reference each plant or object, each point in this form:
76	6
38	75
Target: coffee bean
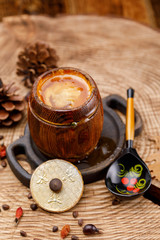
3	163
80	222
74	237
33	206
23	233
75	214
55	185
5	207
29	195
55	229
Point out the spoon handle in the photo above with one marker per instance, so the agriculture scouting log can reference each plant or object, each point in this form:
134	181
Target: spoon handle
130	118
153	194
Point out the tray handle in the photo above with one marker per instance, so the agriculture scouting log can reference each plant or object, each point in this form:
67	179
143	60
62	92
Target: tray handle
118	103
16	148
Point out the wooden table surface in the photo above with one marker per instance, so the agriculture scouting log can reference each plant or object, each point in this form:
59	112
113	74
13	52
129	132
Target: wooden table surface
118	54
144	11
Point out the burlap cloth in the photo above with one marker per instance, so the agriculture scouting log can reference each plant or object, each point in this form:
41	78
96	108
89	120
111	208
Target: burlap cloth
118	54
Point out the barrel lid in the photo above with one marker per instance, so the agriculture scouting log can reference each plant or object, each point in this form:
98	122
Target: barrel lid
46	195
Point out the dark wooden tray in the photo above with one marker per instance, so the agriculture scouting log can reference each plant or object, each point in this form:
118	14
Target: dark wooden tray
94	166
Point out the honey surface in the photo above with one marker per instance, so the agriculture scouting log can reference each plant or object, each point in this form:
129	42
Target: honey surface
64	91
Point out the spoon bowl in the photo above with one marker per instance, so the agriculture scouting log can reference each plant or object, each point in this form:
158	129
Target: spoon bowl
128	176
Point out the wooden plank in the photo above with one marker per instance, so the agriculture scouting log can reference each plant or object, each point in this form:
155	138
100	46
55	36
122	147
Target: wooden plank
93	7
138	10
156	11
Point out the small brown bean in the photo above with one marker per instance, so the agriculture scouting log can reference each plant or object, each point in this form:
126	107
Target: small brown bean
75	214
1	137
5	207
23	233
80	222
74	237
29	195
33	206
54	229
3	163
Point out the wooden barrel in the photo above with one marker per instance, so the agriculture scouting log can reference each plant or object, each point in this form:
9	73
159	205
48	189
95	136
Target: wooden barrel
66	133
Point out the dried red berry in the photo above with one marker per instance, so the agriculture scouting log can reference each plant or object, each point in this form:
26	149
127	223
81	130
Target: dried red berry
2	151
65	231
125	180
19	214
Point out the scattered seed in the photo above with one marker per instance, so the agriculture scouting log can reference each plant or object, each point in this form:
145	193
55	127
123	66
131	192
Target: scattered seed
3	163
1	137
5	207
54	229
116	201
23	233
75	214
33	206
74	237
80	222
29	195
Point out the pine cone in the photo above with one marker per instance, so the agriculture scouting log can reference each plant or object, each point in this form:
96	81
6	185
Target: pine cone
35	60
11	105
